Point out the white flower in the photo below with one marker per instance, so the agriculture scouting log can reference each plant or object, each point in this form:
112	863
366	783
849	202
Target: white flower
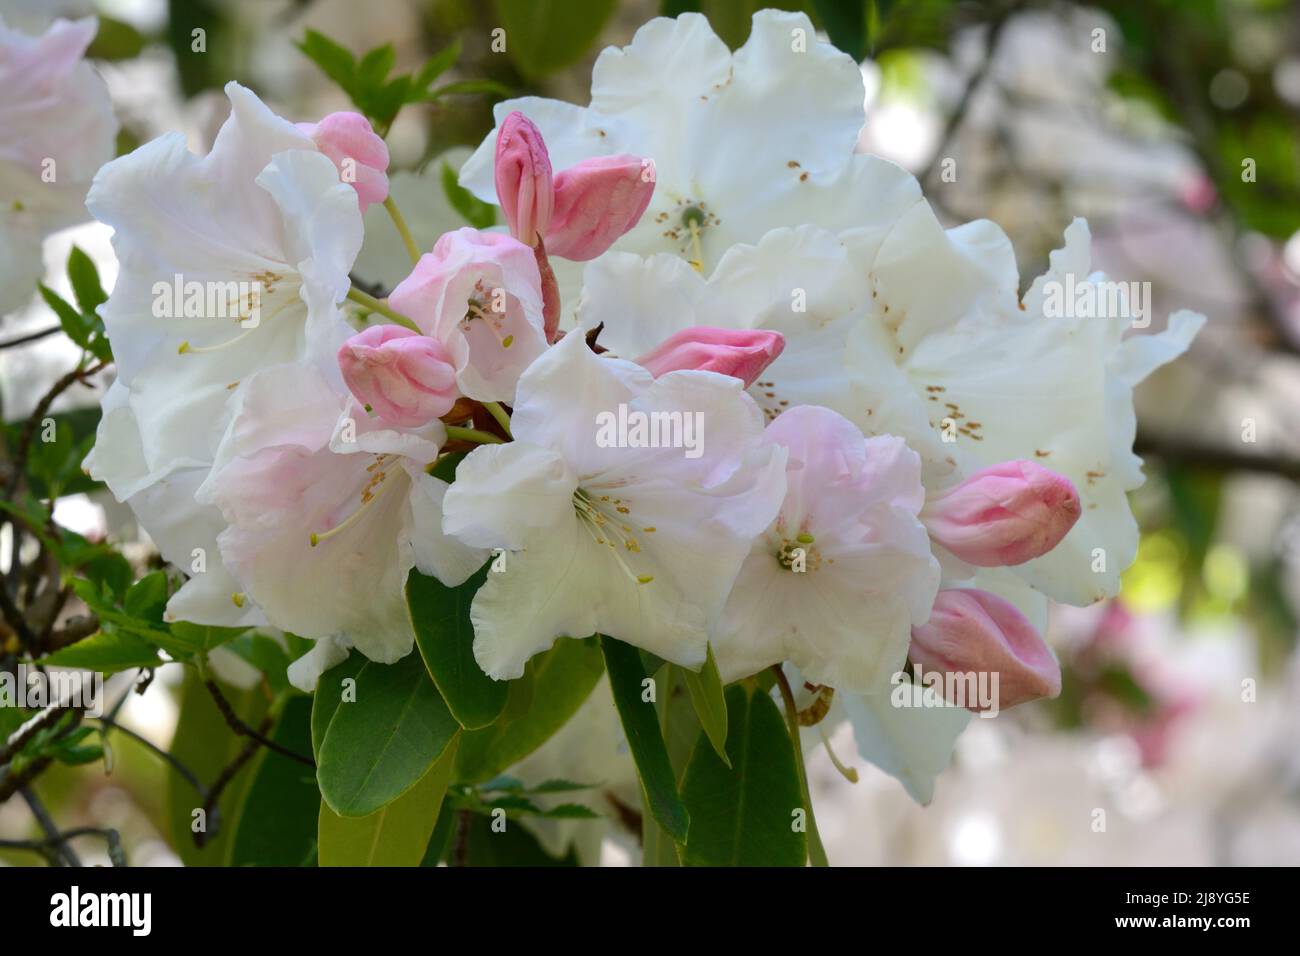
56	128
640	543
263	212
328	511
1006	382
844	572
741	142
262	220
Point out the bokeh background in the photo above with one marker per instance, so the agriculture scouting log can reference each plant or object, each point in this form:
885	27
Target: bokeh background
1172	125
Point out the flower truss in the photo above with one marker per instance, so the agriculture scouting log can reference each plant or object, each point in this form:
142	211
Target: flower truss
721	411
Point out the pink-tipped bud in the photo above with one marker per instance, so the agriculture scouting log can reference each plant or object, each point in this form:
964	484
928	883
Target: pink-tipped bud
357	150
1004	515
523	177
406	379
740	353
972	633
596	201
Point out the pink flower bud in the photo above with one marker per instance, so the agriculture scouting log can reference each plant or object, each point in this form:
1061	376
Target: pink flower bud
972	632
523	176
596	201
406	379
1003	515
357	150
740	353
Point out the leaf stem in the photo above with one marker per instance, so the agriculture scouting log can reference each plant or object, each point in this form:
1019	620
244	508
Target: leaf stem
403	230
472	434
816	852
381	307
499	413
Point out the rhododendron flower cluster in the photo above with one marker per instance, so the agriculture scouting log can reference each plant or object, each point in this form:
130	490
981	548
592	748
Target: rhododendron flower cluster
735	400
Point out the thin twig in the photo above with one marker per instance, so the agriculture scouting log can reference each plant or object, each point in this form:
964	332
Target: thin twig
186	773
50	847
958	115
48	826
1216	457
211	809
30	337
243	730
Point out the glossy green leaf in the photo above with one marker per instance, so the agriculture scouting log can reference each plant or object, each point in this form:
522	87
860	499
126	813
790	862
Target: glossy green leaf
84	278
277	820
553	687
746	814
445	636
203	637
710	703
399	833
330	690
627	678
146	599
378	746
107	652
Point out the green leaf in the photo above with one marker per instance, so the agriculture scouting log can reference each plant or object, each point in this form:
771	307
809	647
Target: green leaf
710	703
203	637
553	687
395	835
644	739
330	690
477	213
445	637
277	821
744	815
543	36
72	322
435	66
378	746
107	652
147	598
86	286
263	652
374	68
680	727
334	60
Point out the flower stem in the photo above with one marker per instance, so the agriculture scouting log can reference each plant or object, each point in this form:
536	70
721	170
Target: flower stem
816	852
412	249
499	413
472	434
381	307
